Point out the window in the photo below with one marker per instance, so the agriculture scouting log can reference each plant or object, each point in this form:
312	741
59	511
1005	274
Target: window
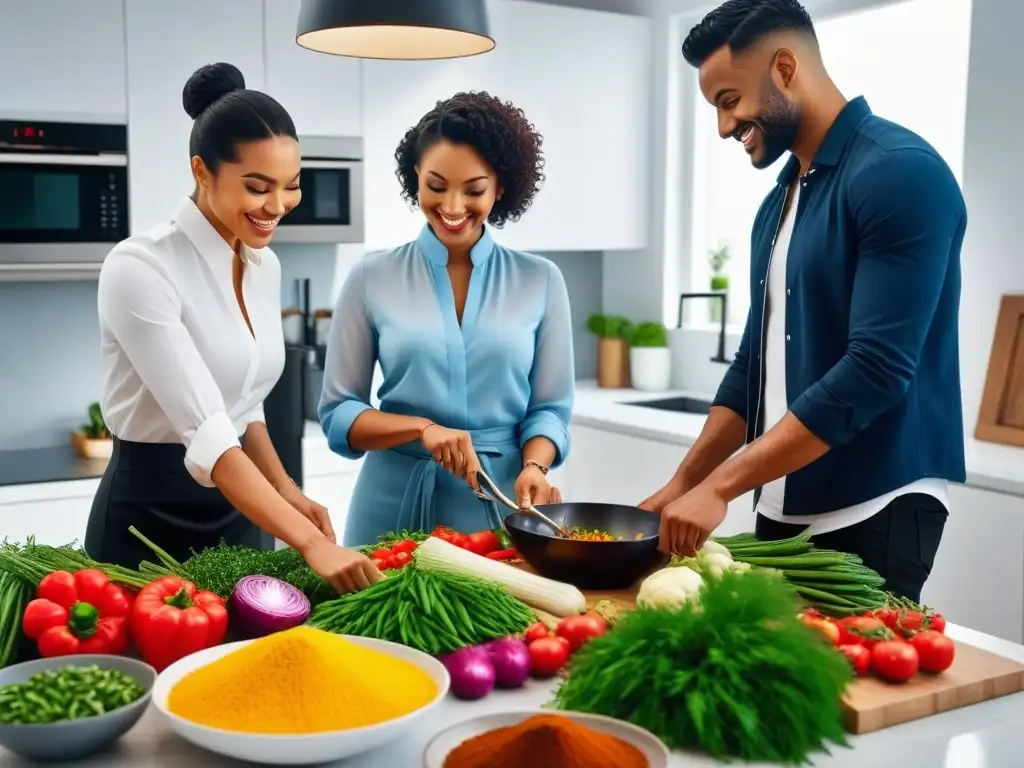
910	61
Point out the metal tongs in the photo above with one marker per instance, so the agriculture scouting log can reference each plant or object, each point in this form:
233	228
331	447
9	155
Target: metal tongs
497	496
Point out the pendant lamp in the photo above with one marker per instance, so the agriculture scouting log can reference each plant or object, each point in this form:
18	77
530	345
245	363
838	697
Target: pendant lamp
395	29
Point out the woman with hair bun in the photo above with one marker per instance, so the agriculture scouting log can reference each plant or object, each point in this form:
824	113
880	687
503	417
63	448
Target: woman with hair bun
190	322
474	339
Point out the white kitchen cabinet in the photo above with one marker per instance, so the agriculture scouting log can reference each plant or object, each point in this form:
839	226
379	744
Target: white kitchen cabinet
55	513
62	60
167	42
321	92
582	77
978	578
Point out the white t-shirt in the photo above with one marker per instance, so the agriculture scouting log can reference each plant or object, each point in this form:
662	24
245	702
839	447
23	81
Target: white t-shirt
181	364
775	401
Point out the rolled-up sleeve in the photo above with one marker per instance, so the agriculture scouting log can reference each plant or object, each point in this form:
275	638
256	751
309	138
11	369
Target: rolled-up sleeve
140	306
553	375
907	210
732	392
348	369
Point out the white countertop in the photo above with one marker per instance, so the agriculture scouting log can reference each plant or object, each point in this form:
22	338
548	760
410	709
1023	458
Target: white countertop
982	736
608	409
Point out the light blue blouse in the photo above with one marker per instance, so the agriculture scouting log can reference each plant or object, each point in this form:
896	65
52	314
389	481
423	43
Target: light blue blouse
506	375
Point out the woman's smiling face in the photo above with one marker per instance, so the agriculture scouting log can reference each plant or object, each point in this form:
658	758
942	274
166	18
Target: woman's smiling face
457	190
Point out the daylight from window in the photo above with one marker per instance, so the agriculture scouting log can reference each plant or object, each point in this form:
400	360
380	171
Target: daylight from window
909	59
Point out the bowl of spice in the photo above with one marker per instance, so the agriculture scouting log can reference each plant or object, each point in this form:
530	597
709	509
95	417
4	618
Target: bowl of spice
543	739
299	697
69	707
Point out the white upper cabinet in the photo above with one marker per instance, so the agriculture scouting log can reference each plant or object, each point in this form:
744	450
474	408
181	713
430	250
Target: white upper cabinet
321	92
167	41
396	94
581	77
62	60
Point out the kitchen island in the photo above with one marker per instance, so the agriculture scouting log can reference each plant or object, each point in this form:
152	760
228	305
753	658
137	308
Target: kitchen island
986	735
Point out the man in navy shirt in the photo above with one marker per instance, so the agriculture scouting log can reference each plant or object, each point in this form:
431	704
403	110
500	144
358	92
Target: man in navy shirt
846	384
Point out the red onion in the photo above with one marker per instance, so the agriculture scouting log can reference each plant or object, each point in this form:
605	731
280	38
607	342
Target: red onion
263	605
472	673
511	661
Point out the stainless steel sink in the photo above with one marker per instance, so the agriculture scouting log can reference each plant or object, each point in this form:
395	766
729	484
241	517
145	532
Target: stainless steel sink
674	404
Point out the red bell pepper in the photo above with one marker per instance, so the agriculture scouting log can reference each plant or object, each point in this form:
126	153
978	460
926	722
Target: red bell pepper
503	554
78	613
172	619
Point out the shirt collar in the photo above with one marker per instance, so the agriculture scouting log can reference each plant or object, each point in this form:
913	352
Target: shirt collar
205	238
436	252
831	150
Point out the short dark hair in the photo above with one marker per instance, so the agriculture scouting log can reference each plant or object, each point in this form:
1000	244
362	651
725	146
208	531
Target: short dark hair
741	24
226	113
499	132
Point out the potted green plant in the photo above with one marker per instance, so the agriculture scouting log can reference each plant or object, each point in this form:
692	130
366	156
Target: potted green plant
92	440
650	362
612	332
719	280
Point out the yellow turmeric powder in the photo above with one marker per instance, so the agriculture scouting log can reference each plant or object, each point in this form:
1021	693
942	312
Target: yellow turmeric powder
302	680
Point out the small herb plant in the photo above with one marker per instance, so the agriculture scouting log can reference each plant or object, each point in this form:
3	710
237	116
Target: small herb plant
649	334
717	260
96	429
609	326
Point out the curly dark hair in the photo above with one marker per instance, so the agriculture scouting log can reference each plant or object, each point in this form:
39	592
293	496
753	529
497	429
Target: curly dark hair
498	130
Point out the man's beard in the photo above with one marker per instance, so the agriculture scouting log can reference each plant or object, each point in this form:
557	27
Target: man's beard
779	121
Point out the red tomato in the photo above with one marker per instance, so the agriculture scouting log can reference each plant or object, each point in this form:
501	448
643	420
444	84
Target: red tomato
380	562
482	542
400	559
912	621
934	649
547	656
937	622
536	632
459	540
888	616
405	545
564	642
895	661
579	629
383	553
864	630
859	656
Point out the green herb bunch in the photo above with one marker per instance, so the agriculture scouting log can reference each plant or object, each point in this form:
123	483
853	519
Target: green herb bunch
736	675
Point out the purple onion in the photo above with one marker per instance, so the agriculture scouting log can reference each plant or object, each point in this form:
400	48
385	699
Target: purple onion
472	673
511	661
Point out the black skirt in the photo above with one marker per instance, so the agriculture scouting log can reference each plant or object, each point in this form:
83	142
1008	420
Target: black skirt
147	486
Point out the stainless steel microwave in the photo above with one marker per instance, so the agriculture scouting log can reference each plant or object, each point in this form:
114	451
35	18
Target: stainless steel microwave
331	210
63	198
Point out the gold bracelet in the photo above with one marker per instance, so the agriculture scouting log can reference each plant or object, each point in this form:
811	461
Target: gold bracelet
537	464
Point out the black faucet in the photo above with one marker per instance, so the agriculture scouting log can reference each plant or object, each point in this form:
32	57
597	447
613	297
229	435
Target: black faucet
713	295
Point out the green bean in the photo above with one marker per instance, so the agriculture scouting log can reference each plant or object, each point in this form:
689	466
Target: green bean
69	693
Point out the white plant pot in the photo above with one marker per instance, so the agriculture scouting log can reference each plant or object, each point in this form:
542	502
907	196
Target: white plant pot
650	368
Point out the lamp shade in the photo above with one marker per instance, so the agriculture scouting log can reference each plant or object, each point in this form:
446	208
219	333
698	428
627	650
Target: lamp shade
395	29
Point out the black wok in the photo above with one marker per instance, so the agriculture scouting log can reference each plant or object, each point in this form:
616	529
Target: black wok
588	564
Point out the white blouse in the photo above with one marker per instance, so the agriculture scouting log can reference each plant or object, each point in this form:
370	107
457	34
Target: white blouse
181	364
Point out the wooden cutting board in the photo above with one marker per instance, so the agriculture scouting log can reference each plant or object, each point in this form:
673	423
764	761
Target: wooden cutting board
871	704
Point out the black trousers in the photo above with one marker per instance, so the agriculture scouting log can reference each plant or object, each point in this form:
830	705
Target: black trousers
899	542
147	486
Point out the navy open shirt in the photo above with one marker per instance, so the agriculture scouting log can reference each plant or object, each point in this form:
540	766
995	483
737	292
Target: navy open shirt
872	302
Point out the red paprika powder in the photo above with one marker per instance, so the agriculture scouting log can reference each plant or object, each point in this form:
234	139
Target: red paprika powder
545	741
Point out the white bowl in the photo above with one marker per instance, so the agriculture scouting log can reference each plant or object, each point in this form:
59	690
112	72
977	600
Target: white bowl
440	746
299	749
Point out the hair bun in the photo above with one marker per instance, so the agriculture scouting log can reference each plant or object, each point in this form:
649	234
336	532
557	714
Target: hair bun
209	83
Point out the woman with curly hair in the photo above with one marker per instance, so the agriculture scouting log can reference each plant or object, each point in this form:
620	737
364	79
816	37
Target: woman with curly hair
474	339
